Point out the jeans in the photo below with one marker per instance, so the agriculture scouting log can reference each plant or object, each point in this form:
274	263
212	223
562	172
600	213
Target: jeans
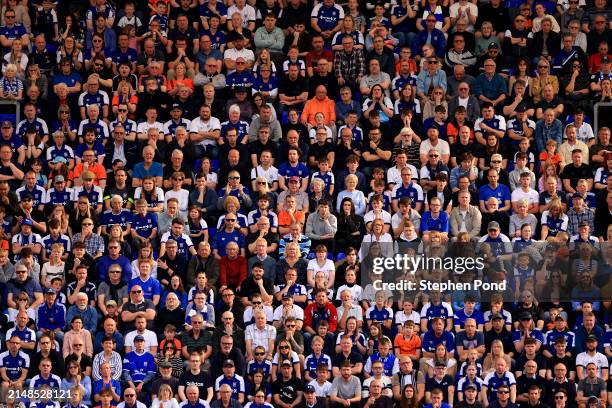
210	151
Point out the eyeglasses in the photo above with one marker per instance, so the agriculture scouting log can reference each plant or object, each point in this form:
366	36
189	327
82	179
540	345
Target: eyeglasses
227	344
432	62
136	291
9	16
96	41
228	294
122	110
559	397
196	322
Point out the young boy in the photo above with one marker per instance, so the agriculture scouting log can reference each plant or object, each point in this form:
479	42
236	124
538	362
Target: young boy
316	359
321	384
170	337
325	174
408	342
259	362
55	237
144	224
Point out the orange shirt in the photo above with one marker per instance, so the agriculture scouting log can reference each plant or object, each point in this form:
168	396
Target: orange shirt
406	346
284	219
313	106
97	169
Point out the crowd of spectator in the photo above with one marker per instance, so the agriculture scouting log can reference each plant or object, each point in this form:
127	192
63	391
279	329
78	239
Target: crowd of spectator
195	192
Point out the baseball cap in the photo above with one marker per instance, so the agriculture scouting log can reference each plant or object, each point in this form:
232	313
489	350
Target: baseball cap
497	316
309	389
525	316
592	337
26	221
521	108
286	363
50	291
583	224
111	302
240	89
470	387
7	124
59	179
559	317
287	296
592	399
493	225
165	364
493	45
228	363
605	59
177	106
577	195
294	178
440	363
60	159
139	338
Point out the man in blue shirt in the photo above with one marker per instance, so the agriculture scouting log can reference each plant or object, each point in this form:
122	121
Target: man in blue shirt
435	220
51	315
494	189
490	86
232	379
139	368
14	364
437	335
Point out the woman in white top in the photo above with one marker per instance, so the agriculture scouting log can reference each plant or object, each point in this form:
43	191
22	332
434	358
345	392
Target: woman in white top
378	235
165	399
179	192
321	264
54	268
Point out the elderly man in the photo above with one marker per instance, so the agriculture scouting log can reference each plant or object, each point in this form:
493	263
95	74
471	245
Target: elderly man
260	334
349	64
321	103
490	86
81	309
225	399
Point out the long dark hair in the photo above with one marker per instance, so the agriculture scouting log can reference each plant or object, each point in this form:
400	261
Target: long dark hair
342	215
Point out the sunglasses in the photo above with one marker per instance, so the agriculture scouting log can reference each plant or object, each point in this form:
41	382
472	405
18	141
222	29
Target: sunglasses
559	397
136	291
259	354
122	110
